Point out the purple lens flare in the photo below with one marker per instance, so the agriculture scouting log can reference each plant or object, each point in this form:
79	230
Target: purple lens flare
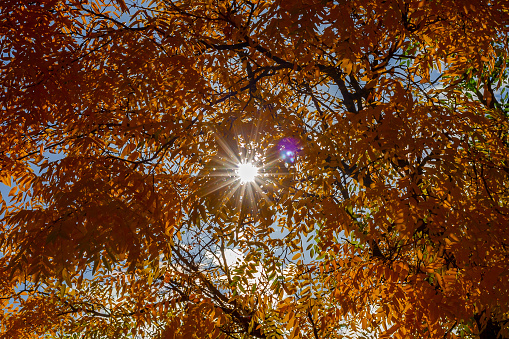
288	148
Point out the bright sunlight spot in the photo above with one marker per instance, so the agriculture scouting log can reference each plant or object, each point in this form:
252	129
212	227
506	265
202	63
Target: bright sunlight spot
247	172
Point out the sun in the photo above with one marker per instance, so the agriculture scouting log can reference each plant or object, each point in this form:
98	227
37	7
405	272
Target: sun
247	172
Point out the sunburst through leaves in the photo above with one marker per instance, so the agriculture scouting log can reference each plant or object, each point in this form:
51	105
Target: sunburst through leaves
244	171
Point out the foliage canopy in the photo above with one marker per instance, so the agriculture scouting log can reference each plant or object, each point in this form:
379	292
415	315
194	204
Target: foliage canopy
380	134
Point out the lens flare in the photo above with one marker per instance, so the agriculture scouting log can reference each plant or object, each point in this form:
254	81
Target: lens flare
288	148
247	172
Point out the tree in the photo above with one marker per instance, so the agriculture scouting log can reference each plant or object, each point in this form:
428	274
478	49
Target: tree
379	130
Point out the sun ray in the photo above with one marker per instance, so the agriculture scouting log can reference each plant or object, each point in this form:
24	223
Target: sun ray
240	201
262	193
212	188
231	192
